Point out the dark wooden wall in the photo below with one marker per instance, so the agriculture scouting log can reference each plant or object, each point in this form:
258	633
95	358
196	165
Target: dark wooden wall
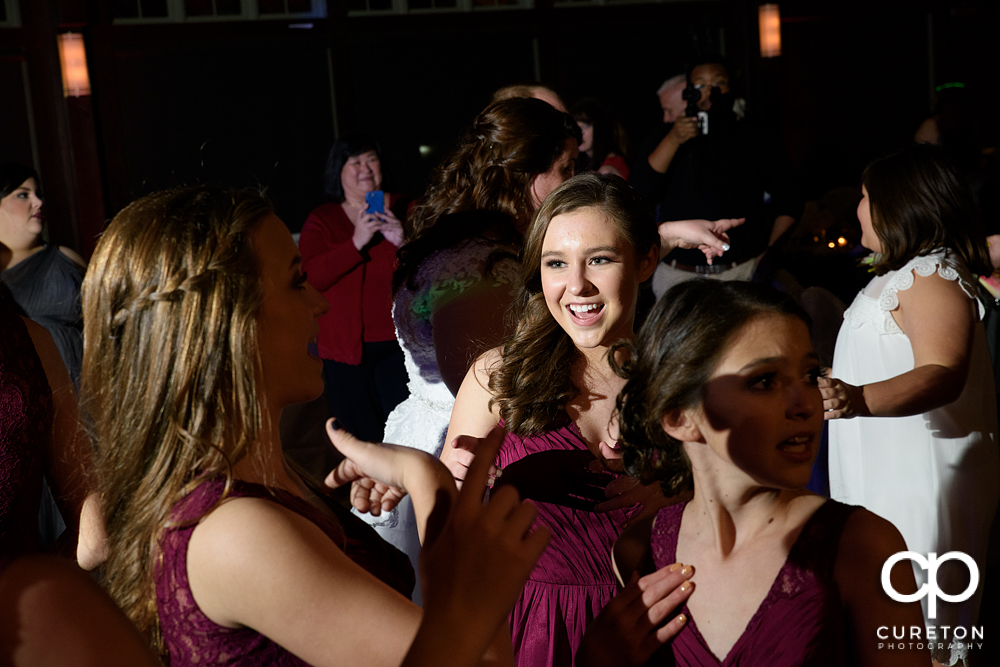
259	103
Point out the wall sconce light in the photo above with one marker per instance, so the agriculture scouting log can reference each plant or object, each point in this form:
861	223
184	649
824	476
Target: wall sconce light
769	20
73	58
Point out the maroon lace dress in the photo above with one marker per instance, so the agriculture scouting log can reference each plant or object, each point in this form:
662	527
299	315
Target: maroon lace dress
192	638
25	429
573	579
800	622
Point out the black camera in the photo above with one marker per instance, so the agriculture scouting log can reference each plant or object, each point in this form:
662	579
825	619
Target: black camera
692	96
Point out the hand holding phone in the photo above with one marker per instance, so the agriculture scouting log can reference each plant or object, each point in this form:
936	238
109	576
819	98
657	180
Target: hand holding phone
376	201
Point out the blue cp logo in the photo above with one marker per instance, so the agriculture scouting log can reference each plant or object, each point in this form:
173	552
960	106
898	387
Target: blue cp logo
930	590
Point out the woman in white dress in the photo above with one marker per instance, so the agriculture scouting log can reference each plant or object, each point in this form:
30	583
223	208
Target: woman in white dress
912	370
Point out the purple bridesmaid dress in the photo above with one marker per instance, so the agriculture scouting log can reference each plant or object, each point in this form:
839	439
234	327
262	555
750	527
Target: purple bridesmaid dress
800	622
573	579
191	637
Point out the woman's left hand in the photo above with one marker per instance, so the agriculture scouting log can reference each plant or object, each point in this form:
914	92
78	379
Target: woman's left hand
379	474
842	400
391	227
709	236
631	627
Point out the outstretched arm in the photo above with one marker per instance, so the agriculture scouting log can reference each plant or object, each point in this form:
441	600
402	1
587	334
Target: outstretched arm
709	236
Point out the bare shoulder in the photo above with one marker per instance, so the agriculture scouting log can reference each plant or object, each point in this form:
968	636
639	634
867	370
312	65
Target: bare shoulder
472	413
294	566
250	539
866	535
73	255
488	362
240	530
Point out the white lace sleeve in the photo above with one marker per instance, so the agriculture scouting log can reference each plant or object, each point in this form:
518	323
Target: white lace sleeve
947	265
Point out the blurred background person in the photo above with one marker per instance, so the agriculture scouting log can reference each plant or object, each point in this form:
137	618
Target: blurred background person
42	279
40	438
349	254
536	90
733	171
604	145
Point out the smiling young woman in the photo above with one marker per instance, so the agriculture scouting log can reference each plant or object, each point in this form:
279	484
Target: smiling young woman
550	386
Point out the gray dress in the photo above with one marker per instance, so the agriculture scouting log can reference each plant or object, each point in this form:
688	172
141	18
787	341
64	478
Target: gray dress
46	288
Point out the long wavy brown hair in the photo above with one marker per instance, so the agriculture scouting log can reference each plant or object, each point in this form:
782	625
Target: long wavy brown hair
170	368
509	143
532	384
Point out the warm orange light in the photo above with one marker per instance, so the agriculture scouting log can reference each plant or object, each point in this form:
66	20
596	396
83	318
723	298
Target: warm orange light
769	20
831	244
73	57
841	241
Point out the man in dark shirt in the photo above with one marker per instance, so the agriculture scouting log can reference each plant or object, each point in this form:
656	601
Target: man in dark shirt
734	171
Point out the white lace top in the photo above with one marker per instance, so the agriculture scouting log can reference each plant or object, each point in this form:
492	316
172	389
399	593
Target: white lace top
880	296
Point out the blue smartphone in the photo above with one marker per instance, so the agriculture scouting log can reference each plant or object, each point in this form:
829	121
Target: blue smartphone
376	201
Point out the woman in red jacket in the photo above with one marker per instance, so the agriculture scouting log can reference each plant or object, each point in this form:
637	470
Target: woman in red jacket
349	255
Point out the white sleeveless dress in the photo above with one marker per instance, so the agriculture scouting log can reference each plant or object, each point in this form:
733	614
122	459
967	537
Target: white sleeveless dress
936	475
421	421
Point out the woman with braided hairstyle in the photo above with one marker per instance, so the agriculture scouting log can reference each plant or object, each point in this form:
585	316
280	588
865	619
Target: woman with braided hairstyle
199	327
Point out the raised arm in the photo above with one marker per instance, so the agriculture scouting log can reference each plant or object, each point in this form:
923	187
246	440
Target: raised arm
684	129
328	256
939	319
